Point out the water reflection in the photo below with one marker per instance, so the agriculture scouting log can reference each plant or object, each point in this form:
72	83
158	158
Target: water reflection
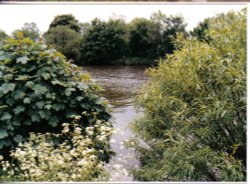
121	85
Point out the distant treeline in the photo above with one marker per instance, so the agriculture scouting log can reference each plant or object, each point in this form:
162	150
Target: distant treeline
141	41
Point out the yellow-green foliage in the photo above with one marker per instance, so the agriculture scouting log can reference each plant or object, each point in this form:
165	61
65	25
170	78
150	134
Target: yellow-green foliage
75	159
194	122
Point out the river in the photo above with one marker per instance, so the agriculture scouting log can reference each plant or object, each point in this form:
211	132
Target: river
121	84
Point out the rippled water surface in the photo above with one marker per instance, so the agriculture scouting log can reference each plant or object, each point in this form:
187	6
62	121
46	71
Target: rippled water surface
121	85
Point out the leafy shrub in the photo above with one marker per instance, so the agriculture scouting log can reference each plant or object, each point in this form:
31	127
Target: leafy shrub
76	159
194	124
39	90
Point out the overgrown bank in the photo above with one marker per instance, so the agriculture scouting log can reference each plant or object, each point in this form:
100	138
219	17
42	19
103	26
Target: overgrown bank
54	126
114	42
194	124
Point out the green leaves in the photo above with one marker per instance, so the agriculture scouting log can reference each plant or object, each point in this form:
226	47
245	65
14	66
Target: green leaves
35	118
18	94
45	75
40	104
6	116
7	87
18	138
39	89
3	133
26	100
30	84
22	60
82	86
19	109
37	96
57	82
68	91
22	78
3	57
195	111
8	77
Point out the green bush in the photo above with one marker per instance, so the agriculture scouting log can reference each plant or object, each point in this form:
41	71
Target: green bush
194	124
40	90
75	159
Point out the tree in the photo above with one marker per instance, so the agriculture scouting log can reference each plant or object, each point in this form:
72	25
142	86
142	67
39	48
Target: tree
200	31
64	34
168	27
194	123
84	27
67	20
29	30
104	42
3	35
143	35
65	40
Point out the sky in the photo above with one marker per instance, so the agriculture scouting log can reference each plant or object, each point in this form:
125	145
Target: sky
14	16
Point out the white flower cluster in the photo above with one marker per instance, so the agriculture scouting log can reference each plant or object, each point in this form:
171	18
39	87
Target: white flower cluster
75	159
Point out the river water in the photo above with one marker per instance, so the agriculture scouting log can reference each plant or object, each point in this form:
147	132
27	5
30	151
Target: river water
121	85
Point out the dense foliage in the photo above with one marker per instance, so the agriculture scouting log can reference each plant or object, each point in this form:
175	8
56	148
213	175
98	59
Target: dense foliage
140	41
40	90
75	159
104	42
200	31
194	123
66	20
155	38
171	27
66	41
64	35
29	30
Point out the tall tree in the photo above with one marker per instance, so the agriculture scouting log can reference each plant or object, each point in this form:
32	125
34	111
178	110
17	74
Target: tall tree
84	27
65	40
29	30
64	34
169	27
104	42
143	38
67	20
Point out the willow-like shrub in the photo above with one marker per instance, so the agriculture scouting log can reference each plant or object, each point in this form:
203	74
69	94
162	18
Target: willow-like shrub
75	159
40	90
194	123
